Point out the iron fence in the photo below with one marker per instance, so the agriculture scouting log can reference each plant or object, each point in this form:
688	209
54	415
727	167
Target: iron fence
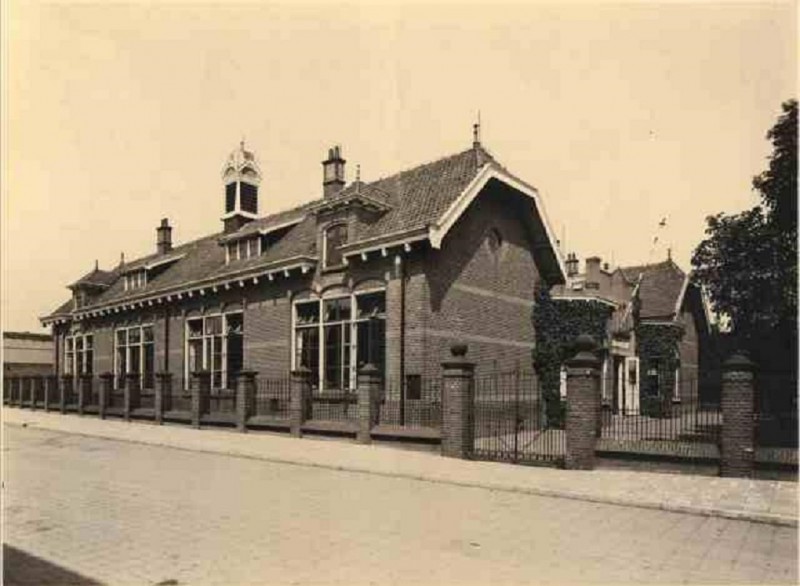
272	397
179	397
510	420
338	406
418	403
222	401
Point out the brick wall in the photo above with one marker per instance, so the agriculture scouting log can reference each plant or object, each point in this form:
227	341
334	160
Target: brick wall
479	295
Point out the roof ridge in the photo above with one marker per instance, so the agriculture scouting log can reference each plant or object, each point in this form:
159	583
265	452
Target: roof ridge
420	166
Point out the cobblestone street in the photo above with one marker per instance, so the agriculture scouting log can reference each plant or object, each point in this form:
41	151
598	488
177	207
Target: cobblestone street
92	510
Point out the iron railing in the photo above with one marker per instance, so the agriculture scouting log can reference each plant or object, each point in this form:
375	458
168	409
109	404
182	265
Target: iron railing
416	404
272	397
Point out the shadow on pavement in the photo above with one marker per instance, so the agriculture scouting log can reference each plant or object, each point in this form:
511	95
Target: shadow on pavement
20	567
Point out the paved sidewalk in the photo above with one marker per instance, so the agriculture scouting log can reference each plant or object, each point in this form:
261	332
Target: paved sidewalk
766	501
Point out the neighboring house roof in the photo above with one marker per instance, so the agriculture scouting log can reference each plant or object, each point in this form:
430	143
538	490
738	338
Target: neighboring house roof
96	278
28	336
660	290
411	200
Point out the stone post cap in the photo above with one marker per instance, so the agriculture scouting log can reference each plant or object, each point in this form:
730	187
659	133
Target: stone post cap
585	356
201	373
738	362
302	372
247	374
131	375
369	369
106	374
163	375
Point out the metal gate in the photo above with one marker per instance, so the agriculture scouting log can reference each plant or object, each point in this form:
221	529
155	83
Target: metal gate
510	422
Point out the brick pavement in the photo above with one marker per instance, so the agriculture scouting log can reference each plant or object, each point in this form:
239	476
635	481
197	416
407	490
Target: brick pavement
763	500
125	513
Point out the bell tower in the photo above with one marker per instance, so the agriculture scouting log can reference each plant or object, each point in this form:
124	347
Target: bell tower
241	177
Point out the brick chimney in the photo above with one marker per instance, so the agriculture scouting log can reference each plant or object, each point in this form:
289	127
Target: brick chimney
164	237
333	172
593	272
572	264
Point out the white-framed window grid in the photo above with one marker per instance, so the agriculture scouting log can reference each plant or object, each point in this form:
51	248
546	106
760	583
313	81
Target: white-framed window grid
334	336
134	353
135	280
79	354
243	249
214	342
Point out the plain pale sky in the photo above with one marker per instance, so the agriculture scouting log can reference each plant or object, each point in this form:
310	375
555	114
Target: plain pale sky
116	115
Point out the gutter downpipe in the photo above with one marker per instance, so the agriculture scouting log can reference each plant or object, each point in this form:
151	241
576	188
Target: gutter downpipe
402	275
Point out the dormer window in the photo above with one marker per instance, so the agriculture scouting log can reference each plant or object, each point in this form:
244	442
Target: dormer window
135	280
334	238
244	249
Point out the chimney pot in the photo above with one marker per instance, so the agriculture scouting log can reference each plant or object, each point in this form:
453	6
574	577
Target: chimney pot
333	172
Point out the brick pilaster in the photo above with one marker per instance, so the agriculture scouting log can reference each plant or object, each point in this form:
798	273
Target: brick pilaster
583	403
84	391
104	393
245	398
26	391
738	449
458	404
163	395
300	400
369	388
35	383
201	389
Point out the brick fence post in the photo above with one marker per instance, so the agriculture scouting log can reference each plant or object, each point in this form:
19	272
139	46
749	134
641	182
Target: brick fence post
245	397
583	393
66	392
84	391
104	393
368	389
16	391
738	449
163	395
299	401
458	435
201	389
132	393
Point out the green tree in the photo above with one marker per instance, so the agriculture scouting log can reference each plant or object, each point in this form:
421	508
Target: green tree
748	261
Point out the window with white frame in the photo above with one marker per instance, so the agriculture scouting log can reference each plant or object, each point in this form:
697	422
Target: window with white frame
334	337
216	343
135	354
135	280
334	238
79	354
243	249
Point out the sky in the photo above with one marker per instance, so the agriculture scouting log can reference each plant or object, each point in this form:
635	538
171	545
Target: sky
117	115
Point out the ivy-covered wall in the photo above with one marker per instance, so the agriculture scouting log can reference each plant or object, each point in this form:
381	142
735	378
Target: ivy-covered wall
658	359
557	324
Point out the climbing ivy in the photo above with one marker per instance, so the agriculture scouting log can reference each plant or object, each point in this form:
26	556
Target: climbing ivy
557	323
658	359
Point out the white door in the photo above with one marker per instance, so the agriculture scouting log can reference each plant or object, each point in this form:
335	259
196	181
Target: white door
632	385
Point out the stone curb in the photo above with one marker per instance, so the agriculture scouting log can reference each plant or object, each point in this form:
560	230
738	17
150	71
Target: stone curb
738	515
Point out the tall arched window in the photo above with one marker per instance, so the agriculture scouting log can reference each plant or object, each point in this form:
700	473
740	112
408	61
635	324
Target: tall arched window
334	238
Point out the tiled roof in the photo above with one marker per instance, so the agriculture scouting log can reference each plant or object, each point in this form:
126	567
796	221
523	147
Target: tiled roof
96	278
662	284
415	198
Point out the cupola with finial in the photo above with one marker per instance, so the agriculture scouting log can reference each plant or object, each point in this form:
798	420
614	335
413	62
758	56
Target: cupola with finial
241	177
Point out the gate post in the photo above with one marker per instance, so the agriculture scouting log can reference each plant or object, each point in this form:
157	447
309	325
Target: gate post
103	394
201	387
368	389
458	402
738	450
245	395
583	401
300	400
66	392
26	391
163	395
